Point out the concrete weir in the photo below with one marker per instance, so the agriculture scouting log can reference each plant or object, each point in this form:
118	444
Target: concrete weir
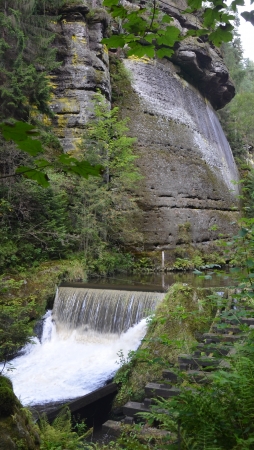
93	407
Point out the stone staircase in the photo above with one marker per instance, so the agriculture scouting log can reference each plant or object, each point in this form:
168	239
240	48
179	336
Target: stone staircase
196	368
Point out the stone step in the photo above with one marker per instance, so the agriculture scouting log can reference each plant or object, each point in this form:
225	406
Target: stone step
211	348
247	320
198	376
115	429
228	329
161	390
237	321
198	362
214	337
130	409
170	376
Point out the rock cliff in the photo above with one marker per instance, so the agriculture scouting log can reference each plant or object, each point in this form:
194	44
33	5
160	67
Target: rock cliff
185	159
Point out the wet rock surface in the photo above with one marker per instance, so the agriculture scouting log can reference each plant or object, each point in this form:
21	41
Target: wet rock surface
185	159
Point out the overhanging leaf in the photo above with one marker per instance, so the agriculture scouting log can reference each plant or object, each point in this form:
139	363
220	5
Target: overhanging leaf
118	11
249	16
136	49
33	174
220	35
164	51
166	19
194	4
31	146
110	2
236	3
114	41
15	132
210	16
200	32
170	37
84	169
19	132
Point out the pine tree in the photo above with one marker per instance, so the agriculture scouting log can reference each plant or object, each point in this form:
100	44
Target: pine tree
26	56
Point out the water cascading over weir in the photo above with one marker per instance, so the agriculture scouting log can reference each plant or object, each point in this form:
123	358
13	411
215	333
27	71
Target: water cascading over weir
78	349
102	310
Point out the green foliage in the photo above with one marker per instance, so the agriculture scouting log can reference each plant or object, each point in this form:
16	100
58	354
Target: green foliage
26	54
219	414
59	435
15	326
5	382
214	416
99	207
8	401
20	133
145	30
183	313
235	118
71	214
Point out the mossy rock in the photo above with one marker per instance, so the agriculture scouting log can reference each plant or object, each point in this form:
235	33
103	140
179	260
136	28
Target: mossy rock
5	382
7	401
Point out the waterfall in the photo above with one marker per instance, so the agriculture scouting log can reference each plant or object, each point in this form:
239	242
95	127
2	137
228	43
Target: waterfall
78	349
106	311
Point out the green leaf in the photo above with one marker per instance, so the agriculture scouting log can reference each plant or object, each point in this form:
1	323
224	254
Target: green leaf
249	16
167	19
195	4
135	24
164	51
84	169
243	232
33	174
150	37
15	132
31	146
200	32
114	41
236	3
19	132
42	163
118	11
210	16
221	35
110	2
170	37
139	50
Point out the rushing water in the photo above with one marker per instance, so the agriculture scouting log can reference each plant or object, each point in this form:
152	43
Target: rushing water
80	342
78	349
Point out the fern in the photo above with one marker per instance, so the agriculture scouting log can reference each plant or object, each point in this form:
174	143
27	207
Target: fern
59	435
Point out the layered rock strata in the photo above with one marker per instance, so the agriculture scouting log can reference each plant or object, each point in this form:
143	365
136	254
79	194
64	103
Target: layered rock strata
187	164
188	168
84	70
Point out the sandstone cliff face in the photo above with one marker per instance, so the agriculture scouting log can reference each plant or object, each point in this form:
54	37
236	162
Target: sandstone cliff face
184	157
84	69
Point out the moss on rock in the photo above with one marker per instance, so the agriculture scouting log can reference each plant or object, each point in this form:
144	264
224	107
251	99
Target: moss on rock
17	430
184	313
7	401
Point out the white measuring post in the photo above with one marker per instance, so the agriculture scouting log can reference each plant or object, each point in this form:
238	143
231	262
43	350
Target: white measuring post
162	260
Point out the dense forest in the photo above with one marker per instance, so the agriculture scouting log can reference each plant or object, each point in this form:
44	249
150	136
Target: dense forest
68	216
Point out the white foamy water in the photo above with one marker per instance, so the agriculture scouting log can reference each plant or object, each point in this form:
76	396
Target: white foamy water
65	366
